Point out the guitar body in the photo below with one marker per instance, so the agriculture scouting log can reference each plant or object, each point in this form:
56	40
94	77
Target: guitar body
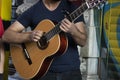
41	58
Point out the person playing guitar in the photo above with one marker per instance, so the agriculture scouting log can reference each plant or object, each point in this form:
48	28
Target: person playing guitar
56	41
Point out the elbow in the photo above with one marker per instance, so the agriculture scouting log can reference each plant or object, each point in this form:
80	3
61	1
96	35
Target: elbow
83	42
4	39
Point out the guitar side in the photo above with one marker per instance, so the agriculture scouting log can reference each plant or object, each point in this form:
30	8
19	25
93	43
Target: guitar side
41	58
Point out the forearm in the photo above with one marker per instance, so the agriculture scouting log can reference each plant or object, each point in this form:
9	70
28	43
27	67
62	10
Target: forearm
80	38
16	37
79	34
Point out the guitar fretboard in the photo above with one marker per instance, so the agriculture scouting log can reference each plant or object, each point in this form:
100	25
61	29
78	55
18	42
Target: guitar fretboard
72	17
78	12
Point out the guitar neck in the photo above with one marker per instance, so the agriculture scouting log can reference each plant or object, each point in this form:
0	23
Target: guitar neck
72	17
78	12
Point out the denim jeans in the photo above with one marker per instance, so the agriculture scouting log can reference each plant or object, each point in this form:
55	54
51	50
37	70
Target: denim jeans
69	75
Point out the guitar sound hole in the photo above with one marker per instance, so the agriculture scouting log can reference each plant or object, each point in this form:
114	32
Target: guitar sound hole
42	43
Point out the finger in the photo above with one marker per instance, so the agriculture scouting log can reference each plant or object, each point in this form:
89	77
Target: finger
64	28
32	36
66	21
36	35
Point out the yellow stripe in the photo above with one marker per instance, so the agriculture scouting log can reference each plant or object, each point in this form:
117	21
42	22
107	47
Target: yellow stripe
0	7
113	1
6	9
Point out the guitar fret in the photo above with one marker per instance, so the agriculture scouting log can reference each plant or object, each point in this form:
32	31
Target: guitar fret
85	7
78	11
54	31
82	8
74	16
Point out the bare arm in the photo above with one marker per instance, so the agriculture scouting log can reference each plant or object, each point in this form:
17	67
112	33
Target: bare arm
14	34
77	31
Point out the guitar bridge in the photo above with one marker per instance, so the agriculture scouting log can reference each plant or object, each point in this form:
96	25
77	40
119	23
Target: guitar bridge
26	54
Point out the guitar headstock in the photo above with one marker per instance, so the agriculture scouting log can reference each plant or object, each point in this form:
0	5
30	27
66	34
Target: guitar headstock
96	3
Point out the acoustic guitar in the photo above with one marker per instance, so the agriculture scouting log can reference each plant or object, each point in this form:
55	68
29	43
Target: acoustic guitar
33	59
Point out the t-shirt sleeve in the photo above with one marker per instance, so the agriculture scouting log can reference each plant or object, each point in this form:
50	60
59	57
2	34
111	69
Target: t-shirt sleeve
1	28
25	18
